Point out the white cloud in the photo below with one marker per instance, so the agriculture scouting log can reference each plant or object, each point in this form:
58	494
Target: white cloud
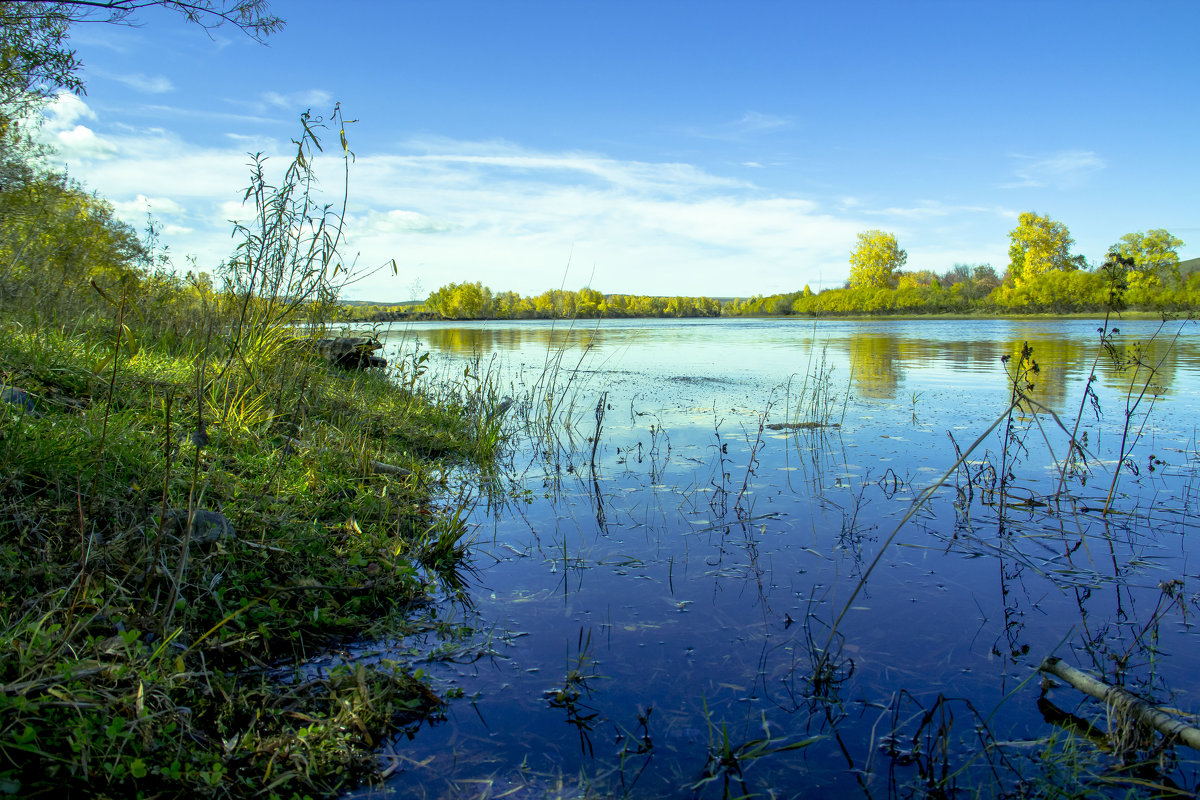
916	212
158	206
513	219
1062	170
509	216
82	142
181	184
61	129
400	221
163	166
64	112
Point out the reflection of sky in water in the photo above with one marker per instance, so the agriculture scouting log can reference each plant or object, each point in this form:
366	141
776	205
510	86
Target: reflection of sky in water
688	608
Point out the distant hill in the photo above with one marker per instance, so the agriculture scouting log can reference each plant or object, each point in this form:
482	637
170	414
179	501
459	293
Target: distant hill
385	304
1188	267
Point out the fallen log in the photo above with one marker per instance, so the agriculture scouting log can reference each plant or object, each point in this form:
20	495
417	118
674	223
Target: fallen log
800	426
1156	718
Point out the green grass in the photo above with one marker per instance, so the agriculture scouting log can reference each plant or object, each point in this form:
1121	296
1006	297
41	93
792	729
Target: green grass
136	660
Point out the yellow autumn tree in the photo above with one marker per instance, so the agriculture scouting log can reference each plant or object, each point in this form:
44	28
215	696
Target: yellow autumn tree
875	259
1155	258
1039	245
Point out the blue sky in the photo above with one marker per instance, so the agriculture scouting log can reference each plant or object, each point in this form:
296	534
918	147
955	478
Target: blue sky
658	147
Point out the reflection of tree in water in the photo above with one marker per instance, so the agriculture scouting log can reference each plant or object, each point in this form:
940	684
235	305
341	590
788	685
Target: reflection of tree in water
461	340
879	360
874	361
1131	364
471	340
1123	364
964	355
1059	360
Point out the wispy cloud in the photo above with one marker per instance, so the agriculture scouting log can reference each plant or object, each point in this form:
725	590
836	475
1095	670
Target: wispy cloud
757	122
309	98
1062	170
217	116
508	162
267	106
149	84
927	210
97	36
747	126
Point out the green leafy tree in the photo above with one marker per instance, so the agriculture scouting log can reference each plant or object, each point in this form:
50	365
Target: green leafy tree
709	307
1155	255
875	259
55	239
37	63
1039	245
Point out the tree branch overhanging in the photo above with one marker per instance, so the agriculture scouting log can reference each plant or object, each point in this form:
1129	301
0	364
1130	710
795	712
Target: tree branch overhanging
252	17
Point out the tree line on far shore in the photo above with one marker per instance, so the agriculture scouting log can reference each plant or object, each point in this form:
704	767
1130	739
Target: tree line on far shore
1140	271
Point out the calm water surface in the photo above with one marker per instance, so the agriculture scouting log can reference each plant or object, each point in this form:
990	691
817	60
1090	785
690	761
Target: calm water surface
628	618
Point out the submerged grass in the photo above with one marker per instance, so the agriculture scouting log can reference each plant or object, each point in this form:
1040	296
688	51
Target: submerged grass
923	746
1067	766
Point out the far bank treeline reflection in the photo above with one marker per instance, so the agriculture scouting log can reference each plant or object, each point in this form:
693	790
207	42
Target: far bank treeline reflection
877	361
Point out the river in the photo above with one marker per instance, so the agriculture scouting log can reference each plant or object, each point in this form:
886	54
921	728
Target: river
727	590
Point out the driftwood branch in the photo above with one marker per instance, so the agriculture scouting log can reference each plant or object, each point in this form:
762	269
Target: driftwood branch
1156	718
378	467
800	426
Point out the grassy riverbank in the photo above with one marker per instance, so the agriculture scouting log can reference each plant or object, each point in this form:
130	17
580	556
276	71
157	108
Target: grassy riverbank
141	654
194	503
